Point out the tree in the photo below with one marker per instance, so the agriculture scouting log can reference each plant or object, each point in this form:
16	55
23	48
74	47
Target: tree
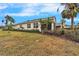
62	26
9	21
70	12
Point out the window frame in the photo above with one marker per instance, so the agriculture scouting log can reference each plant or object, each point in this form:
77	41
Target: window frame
28	25
35	25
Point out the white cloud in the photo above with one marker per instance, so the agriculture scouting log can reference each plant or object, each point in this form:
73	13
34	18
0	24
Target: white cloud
25	12
50	7
61	9
28	10
3	7
21	14
39	1
32	9
32	4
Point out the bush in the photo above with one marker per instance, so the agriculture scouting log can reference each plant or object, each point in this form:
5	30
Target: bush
31	31
62	31
70	35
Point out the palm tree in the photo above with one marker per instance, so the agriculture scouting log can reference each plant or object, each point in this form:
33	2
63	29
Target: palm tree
70	12
9	22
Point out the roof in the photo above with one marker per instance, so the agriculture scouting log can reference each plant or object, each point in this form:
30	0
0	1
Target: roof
35	20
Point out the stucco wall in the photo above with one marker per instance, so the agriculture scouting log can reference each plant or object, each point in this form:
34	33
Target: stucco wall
32	26
25	27
16	27
39	25
52	27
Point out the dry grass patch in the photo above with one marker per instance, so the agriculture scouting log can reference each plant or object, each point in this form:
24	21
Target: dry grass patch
23	43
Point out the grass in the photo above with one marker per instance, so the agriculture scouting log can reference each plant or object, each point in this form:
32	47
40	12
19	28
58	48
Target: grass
34	44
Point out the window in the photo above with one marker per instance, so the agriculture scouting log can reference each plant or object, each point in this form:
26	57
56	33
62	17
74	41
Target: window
28	25
35	25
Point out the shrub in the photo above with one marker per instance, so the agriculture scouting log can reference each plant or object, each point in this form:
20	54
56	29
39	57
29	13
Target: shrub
62	31
74	36
31	31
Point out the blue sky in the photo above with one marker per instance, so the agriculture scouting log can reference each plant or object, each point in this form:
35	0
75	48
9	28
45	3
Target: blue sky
28	11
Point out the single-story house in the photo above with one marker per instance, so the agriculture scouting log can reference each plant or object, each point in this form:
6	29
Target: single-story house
59	26
37	24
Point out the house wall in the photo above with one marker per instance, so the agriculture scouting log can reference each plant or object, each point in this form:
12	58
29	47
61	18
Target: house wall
25	26
16	27
52	27
32	25
39	26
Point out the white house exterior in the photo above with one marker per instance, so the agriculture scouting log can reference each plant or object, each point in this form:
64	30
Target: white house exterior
34	24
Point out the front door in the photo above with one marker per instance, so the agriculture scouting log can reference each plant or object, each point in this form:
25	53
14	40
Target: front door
49	26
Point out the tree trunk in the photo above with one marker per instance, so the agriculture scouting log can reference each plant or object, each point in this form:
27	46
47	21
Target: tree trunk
62	25
72	24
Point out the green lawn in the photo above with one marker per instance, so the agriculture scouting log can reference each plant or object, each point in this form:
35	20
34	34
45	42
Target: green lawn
23	43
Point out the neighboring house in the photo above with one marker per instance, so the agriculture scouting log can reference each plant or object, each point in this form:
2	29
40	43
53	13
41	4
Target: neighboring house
36	24
58	26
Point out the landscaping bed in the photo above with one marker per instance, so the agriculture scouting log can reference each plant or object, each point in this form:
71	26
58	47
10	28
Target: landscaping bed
69	35
30	31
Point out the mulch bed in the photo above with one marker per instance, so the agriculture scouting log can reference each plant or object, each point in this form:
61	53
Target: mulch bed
65	36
